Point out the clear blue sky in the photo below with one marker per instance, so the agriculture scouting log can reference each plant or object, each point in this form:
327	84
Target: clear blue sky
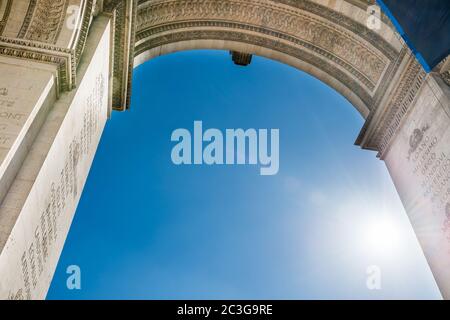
146	228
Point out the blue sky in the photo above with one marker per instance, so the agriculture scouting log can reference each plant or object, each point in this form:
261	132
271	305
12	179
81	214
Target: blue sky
148	229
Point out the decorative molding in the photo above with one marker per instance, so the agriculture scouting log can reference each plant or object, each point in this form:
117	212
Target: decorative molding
381	92
4	17
330	15
358	74
44	20
132	41
294	51
357	57
403	97
27	20
124	21
118	63
41	49
351	25
63	59
87	14
346	49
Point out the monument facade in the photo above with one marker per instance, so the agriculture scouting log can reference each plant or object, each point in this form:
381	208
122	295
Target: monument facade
67	64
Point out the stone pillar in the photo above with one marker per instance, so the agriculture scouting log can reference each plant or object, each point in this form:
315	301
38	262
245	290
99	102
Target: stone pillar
65	65
38	208
411	131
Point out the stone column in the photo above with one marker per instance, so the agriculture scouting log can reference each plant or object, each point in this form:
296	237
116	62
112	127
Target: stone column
38	208
411	131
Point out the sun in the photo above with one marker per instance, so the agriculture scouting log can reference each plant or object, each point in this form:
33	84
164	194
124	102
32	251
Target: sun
382	236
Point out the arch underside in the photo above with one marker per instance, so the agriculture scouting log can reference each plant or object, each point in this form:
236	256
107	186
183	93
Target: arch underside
331	46
263	51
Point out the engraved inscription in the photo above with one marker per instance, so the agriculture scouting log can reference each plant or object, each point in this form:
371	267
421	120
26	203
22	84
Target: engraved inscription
64	189
433	168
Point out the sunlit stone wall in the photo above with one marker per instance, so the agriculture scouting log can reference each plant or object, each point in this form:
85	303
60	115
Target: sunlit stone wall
38	209
418	160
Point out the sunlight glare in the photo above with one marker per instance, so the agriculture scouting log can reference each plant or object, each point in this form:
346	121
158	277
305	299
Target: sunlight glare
383	236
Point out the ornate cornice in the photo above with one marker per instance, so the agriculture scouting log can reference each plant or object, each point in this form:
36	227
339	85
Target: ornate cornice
381	127
27	20
332	42
124	20
39	32
88	11
306	6
44	20
297	52
367	73
63	59
351	25
346	49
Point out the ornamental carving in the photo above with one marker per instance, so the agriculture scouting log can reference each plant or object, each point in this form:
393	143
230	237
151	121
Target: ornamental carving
230	35
64	59
346	49
45	20
411	81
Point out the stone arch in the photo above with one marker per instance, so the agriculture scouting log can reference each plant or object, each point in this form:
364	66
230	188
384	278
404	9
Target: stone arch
259	51
62	83
331	42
